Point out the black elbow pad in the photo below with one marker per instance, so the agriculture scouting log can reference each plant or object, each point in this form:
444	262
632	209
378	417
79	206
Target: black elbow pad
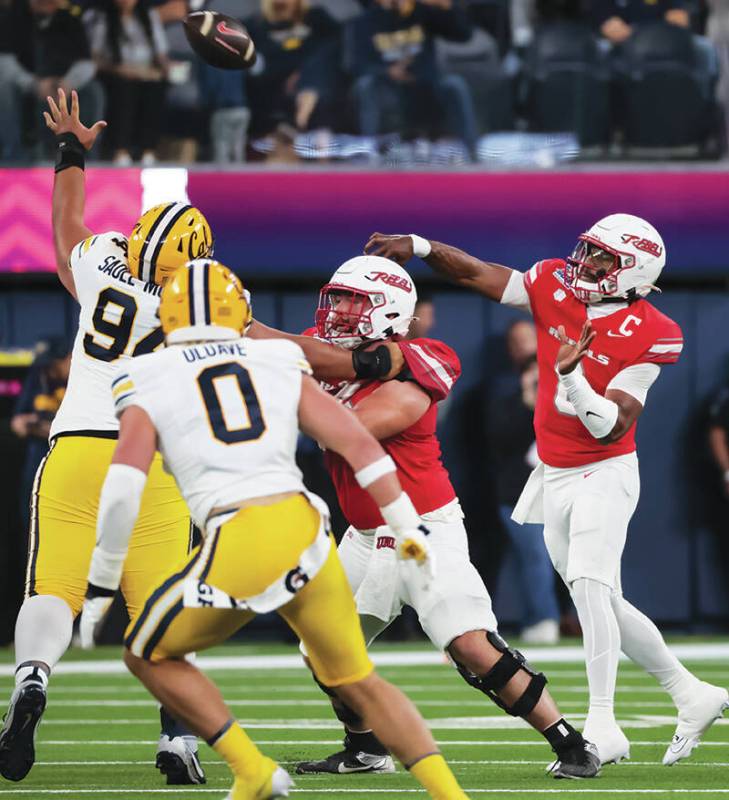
372	364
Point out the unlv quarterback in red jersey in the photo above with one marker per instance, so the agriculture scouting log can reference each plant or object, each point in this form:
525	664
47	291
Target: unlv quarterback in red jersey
371	300
601	346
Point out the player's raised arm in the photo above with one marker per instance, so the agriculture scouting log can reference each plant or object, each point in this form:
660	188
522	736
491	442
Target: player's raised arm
338	429
330	363
121	497
69	192
450	262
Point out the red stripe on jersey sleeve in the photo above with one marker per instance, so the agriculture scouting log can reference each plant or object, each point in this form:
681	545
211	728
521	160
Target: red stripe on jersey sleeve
433	365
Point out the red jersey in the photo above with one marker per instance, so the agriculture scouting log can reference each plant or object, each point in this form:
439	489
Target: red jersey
416	451
636	334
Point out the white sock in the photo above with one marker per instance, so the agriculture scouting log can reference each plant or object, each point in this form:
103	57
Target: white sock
43	632
601	640
642	642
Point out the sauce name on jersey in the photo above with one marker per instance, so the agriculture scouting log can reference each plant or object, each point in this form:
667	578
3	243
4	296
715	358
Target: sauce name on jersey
117	320
416	451
226	414
635	334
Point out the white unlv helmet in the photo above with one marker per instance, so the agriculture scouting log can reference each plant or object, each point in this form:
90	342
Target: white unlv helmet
367	298
620	257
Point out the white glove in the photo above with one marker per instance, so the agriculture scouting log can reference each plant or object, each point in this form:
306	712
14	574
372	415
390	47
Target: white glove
93	613
413	545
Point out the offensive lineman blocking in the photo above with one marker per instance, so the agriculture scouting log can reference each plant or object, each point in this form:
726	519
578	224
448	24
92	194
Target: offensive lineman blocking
225	412
370	300
600	348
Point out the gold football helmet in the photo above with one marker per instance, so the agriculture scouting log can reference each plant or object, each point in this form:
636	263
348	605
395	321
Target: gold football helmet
166	237
204	300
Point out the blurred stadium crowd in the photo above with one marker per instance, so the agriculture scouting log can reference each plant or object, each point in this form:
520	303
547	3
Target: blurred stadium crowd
376	81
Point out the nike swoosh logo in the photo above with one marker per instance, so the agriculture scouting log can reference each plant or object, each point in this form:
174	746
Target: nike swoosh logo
594	414
678	744
621	335
587	474
223	28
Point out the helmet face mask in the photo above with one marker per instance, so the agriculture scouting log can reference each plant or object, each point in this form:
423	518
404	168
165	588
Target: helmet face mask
344	315
367	299
619	258
592	270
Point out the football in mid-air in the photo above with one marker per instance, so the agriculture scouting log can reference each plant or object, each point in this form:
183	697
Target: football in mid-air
220	40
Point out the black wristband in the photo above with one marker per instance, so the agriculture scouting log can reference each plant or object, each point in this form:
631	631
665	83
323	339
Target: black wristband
93	591
70	153
372	364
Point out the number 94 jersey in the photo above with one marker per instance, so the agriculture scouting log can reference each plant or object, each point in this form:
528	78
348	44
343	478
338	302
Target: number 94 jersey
226	415
118	319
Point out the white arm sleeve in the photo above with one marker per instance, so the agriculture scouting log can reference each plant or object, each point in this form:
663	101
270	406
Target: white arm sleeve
636	380
595	412
121	496
515	293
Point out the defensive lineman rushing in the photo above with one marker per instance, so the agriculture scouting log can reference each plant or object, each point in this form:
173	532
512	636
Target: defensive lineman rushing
225	412
370	300
116	283
600	348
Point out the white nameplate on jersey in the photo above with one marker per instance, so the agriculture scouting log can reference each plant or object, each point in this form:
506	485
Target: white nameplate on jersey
198	594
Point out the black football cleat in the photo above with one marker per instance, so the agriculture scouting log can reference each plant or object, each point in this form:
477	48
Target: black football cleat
17	738
178	762
582	761
346	762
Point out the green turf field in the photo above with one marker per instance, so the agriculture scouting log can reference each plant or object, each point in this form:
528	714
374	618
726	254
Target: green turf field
99	734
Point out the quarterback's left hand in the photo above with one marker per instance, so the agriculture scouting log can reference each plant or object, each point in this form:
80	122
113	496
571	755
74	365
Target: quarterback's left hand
93	613
570	354
413	545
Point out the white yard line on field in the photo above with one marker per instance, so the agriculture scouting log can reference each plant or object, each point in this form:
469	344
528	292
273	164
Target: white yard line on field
476	762
344	792
707	651
298	742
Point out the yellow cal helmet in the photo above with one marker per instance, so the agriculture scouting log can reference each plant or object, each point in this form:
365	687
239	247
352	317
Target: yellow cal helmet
166	237
204	300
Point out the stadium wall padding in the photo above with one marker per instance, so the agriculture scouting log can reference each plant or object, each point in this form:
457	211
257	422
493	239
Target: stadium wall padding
672	569
304	223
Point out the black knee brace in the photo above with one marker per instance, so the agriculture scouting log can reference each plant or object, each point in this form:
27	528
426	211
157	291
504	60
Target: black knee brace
344	713
501	673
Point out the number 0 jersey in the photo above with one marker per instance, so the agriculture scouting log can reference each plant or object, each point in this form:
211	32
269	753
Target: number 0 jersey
226	414
118	319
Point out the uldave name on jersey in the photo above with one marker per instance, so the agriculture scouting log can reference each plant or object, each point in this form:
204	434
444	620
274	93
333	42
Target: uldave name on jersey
599	357
201	352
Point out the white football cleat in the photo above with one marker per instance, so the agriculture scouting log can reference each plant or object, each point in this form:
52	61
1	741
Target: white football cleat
611	743
694	720
544	632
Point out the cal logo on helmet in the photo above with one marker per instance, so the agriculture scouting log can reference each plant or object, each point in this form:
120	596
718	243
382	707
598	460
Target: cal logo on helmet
166	237
203	300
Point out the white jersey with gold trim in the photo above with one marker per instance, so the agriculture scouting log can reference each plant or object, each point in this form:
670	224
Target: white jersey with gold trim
226	414
117	320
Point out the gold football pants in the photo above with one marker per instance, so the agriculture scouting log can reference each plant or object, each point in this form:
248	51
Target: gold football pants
64	506
243	557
